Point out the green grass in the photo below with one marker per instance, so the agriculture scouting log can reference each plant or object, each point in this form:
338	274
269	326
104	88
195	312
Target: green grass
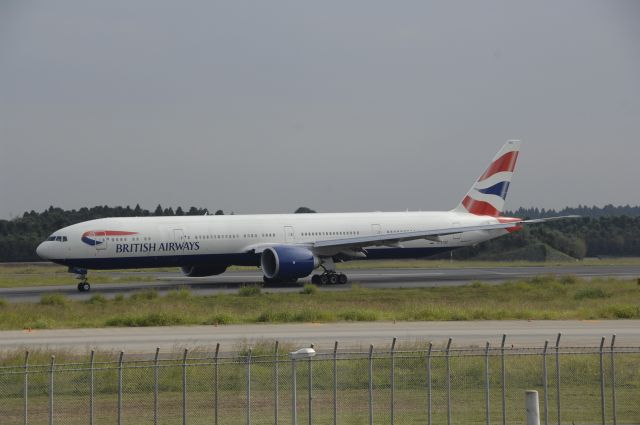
540	298
54	275
309	289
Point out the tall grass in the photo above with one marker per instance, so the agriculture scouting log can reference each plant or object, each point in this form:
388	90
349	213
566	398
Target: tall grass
538	298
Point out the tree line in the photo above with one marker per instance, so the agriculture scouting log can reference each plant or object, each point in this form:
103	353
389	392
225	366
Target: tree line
601	231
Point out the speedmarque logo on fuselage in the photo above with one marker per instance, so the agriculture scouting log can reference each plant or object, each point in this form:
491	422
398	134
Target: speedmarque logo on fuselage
87	236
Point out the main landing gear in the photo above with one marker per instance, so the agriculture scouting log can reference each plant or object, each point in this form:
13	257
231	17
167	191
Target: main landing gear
81	275
329	277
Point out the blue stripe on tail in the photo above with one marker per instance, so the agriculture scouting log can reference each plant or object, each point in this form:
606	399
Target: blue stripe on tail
498	189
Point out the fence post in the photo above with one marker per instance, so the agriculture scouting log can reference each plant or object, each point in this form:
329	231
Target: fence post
429	383
602	402
448	383
545	383
26	387
91	385
51	370
294	393
504	381
558	375
120	387
310	385
335	383
215	388
249	385
532	407
393	380
155	386
371	384
276	383
613	380
184	386
486	383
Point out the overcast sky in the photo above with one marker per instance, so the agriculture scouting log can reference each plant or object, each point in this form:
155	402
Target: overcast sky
340	106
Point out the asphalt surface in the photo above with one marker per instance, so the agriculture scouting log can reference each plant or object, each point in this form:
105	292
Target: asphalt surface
349	335
369	278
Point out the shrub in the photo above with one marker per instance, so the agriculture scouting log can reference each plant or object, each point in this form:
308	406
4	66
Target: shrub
53	299
569	279
249	291
359	315
309	289
38	324
119	298
591	293
313	316
151	319
272	316
147	294
220	319
179	294
97	299
621	311
541	279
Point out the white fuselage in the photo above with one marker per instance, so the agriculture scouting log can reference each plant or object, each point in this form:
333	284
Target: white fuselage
229	239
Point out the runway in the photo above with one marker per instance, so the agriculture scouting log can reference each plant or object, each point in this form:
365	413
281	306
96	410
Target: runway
368	278
322	335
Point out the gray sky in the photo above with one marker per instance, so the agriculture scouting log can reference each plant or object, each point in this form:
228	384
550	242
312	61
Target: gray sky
339	106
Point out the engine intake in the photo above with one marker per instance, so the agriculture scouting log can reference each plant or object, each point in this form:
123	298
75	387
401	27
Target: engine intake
287	262
202	271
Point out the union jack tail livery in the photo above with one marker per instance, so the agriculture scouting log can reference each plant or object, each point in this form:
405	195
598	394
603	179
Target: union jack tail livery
487	195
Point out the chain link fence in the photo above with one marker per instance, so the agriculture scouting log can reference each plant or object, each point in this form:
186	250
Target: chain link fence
429	385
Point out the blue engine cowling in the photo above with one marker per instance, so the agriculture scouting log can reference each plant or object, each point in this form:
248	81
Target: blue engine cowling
287	262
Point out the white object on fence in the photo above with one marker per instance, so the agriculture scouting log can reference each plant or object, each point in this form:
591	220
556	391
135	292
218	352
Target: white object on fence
532	407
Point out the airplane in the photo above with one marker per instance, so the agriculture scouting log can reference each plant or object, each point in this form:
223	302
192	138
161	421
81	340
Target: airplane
287	247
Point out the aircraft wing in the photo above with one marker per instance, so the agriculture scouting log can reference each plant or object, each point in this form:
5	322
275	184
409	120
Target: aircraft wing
433	234
396	238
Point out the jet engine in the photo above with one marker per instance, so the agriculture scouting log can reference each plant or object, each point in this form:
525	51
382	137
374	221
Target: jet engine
287	262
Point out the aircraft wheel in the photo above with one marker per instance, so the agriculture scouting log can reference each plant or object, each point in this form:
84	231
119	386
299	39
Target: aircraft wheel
323	279
343	279
333	278
84	287
315	279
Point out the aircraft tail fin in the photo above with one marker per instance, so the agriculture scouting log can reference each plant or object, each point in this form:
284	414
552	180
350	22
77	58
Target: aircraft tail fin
488	193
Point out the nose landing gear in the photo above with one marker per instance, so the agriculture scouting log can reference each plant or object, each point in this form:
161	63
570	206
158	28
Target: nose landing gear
81	275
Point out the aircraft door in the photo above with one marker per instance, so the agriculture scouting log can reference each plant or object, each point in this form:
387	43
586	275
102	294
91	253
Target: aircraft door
376	229
289	234
178	235
101	240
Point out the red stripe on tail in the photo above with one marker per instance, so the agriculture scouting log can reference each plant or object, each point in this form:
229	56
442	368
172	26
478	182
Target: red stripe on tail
506	162
479	207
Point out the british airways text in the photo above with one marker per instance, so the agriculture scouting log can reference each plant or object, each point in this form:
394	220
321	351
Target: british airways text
154	247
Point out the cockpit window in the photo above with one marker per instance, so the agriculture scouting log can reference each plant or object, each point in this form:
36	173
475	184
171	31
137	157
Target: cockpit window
57	238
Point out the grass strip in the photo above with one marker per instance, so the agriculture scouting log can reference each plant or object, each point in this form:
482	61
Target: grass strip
540	298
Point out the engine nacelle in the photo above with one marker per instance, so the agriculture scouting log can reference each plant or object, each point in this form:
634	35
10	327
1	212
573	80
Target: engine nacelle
287	262
202	271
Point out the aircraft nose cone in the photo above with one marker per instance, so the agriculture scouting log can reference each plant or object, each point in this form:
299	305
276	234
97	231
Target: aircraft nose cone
41	250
